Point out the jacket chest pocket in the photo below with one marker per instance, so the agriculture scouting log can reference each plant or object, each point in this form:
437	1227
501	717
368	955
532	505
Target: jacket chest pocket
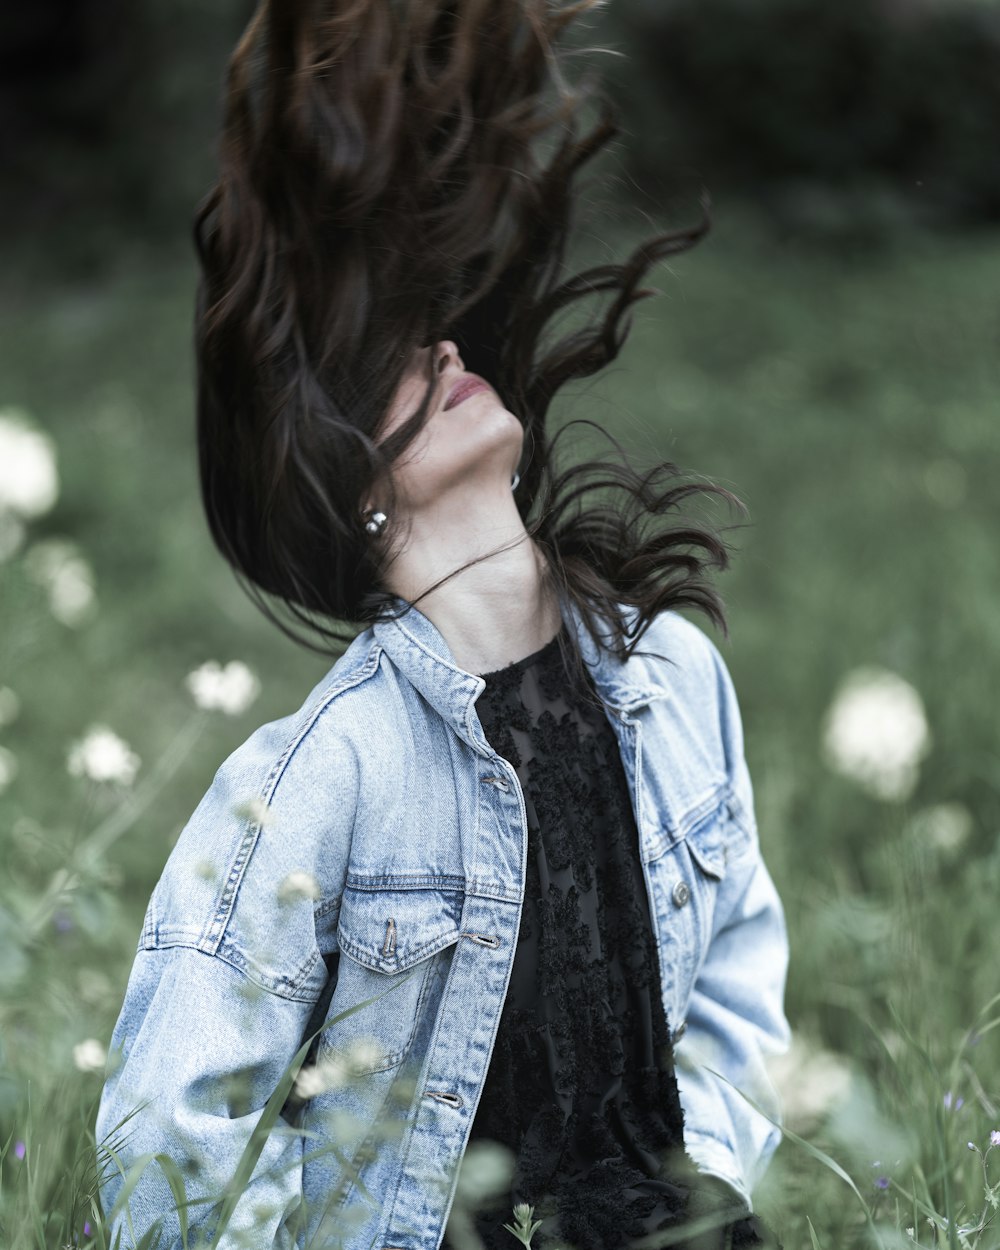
390	976
685	882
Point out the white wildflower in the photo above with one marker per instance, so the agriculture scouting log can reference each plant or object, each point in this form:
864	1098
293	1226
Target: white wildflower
338	1067
811	1081
364	1053
945	827
57	565
231	689
255	810
331	1072
8	768
71	594
102	756
309	1082
298	884
90	1055
10	706
876	733
485	1172
29	483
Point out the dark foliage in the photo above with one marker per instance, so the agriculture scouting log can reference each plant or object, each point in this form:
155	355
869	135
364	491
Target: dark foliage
863	94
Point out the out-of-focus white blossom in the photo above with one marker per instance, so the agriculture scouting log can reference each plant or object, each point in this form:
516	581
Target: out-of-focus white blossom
298	884
102	756
875	732
944	827
90	1055
10	706
12	533
255	810
338	1067
485	1172
230	689
71	595
317	1078
8	768
57	565
810	1081
29	483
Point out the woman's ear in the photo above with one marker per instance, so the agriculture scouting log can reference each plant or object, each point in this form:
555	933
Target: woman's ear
373	498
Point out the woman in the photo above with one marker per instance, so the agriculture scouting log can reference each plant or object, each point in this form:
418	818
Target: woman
498	879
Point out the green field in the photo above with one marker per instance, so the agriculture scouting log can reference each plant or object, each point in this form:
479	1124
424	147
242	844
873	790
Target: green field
851	402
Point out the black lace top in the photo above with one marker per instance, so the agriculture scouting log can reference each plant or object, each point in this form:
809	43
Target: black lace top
581	1085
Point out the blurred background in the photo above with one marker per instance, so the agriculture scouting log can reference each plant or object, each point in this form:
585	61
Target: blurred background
828	352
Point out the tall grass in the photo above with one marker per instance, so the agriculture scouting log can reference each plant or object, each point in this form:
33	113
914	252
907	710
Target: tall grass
851	401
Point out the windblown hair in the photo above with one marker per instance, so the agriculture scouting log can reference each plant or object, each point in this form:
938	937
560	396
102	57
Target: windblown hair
379	189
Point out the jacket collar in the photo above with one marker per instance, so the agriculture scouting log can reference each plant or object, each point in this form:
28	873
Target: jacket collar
418	649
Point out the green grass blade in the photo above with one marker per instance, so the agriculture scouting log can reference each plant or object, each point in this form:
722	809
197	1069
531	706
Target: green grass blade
815	1151
272	1110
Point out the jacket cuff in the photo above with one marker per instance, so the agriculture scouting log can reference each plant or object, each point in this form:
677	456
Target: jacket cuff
709	1155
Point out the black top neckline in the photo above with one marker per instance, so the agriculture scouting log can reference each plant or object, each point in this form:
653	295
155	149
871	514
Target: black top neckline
543	654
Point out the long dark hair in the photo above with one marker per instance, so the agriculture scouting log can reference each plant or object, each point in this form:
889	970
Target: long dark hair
380	189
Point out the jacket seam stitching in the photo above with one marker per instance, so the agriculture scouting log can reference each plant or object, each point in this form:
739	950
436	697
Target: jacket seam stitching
296	991
705	807
224	908
246	971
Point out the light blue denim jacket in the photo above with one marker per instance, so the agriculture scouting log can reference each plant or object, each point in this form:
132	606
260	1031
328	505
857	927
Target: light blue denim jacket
373	833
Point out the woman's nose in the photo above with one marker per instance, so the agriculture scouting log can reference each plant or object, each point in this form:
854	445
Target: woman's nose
446	350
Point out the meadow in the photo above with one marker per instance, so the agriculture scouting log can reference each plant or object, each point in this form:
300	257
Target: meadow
849	398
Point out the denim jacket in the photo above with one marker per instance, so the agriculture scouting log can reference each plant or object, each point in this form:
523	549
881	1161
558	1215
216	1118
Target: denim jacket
368	852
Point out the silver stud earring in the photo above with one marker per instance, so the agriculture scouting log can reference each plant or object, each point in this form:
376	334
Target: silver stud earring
376	523
515	480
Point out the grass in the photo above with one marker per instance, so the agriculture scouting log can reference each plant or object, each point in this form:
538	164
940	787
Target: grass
850	400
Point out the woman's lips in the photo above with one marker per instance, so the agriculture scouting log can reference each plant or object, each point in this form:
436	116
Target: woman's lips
466	387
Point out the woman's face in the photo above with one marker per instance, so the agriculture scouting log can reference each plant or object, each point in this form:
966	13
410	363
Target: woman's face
474	444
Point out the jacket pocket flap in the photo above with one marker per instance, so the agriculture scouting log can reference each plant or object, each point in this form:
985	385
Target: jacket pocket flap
706	842
389	930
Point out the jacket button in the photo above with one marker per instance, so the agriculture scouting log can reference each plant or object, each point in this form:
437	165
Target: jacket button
681	893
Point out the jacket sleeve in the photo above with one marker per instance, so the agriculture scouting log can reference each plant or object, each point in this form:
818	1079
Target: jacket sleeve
205	1096
735	1017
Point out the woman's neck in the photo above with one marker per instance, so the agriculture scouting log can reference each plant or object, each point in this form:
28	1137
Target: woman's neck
492	613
